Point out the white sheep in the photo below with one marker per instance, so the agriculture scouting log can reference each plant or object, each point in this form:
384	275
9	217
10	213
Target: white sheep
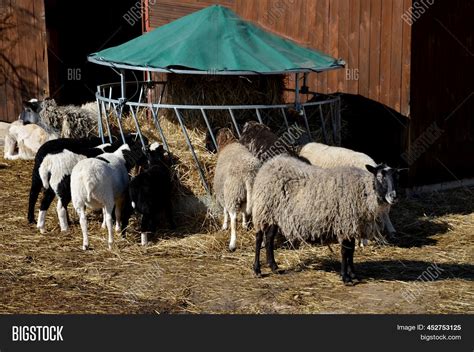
326	156
101	183
304	202
234	175
27	139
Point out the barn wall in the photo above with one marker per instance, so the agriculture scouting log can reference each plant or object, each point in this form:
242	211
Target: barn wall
369	34
23	55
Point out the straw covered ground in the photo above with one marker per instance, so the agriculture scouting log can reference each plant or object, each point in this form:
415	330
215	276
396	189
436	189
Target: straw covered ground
191	270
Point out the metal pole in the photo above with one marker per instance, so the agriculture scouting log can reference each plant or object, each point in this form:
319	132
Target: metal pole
259	117
99	117
323	124
158	127
190	146
297	92
209	129
284	118
234	121
118	113
138	127
305	118
106	113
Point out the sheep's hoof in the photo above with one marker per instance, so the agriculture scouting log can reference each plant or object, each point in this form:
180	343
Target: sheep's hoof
346	279
257	271
110	245
245	225
144	239
224	227
42	230
85	248
275	269
232	248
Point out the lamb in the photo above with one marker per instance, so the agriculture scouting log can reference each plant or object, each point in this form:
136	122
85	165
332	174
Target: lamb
150	191
55	173
304	202
27	139
53	147
233	180
328	157
66	121
101	183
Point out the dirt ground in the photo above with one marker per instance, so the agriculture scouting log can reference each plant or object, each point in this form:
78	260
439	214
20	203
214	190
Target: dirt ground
428	270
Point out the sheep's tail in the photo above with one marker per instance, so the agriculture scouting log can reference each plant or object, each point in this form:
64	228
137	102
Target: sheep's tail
248	186
44	172
89	186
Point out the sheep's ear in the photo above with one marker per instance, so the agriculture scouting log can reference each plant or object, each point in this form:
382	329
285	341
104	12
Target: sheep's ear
371	169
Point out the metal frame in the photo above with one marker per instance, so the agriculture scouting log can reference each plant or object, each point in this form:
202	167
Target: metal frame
109	104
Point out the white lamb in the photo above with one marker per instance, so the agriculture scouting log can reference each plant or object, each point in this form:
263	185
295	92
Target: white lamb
100	183
328	157
26	138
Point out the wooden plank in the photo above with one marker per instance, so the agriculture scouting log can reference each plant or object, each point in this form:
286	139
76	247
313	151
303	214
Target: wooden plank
374	56
364	48
406	64
354	36
333	42
396	60
344	8
385	52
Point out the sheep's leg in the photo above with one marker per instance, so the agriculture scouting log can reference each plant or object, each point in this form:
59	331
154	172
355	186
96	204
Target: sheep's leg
347	265
388	224
62	215
233	231
245	224
83	221
118	214
270	247
226	220
35	190
110	228
104	225
258	245
9	148
145	229
64	194
45	203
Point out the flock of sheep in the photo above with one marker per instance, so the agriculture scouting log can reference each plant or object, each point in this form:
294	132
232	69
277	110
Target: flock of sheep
314	192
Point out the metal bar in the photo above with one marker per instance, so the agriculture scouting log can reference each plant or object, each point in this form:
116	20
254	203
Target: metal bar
259	117
190	146
118	113
209	129
339	121
138	127
234	122
305	117
323	125
110	96
284	118
297	92
106	113
160	130
333	124
162	93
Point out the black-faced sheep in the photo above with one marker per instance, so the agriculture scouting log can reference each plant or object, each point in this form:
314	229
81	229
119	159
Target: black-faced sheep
102	183
327	157
304	202
150	191
233	180
67	121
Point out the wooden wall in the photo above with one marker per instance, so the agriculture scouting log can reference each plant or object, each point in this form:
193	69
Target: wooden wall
23	55
369	34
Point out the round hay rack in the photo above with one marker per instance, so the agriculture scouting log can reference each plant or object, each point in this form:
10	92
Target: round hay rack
149	99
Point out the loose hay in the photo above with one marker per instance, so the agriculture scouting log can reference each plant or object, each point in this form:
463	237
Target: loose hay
193	272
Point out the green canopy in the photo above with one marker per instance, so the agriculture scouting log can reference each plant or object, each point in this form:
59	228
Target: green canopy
214	40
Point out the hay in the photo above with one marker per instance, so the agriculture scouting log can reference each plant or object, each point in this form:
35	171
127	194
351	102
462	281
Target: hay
193	272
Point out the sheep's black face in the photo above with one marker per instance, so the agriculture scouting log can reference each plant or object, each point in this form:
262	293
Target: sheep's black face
30	113
386	182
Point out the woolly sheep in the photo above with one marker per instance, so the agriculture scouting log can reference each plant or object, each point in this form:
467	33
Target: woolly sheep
304	202
150	191
101	183
326	156
234	175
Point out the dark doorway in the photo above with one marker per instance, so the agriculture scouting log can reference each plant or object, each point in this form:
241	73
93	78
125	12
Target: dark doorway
76	29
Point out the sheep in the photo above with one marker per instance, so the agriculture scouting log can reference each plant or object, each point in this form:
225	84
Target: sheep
55	173
304	202
101	183
27	139
53	147
150	191
233	180
328	157
67	121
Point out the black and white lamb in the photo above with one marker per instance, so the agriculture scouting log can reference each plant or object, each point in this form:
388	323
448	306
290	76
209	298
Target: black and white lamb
304	202
150	191
102	183
326	156
233	180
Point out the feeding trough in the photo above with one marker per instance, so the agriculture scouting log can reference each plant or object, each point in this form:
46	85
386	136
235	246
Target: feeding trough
213	48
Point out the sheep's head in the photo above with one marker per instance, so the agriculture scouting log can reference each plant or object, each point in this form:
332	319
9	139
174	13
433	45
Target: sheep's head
31	110
386	182
225	137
